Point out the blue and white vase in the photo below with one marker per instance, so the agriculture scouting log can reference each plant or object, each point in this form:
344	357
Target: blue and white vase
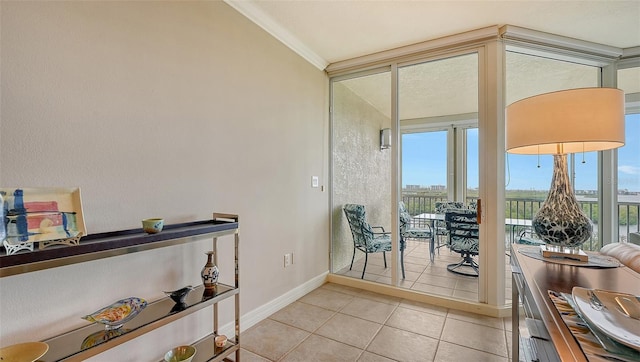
209	273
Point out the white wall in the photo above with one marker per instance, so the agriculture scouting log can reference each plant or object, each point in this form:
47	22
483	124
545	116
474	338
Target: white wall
170	109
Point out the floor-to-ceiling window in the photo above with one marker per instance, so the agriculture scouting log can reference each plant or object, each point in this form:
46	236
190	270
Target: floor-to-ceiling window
442	149
628	172
529	176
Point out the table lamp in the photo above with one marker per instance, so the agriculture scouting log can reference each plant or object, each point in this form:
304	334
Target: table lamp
558	123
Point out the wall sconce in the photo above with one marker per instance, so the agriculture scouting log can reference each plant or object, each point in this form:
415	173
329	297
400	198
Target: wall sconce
385	138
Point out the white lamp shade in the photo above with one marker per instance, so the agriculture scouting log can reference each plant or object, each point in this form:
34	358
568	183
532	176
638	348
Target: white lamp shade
570	121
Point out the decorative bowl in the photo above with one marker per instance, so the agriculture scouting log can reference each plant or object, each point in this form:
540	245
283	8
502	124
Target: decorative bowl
118	313
180	354
179	295
221	340
152	226
29	352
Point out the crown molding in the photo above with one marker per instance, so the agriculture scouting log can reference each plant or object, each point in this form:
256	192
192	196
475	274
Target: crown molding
260	18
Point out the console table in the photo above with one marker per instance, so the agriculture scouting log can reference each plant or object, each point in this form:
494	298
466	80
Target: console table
549	338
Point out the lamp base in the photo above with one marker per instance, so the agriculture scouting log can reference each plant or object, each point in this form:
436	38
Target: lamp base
550	251
560	221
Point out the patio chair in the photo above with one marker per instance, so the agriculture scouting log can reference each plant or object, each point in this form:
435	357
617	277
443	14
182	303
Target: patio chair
440	226
365	239
409	231
463	238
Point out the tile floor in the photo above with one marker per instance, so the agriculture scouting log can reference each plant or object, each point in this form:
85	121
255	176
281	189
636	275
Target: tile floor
340	323
422	275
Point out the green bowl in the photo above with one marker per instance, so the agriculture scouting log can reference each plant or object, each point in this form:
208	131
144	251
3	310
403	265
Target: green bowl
180	354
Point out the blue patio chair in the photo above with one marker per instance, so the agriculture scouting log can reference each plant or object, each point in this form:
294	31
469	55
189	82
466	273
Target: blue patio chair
409	231
365	239
464	239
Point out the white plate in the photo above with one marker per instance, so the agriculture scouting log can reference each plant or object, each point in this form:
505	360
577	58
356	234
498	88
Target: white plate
602	311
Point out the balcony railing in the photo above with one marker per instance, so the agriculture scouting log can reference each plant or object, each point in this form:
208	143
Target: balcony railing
522	208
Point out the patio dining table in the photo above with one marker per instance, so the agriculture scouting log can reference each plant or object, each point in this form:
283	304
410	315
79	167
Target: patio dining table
431	218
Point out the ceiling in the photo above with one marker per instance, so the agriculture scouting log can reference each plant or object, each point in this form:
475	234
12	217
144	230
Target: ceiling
328	31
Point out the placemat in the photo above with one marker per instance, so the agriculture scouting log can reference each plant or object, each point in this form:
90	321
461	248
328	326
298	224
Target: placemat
588	342
595	260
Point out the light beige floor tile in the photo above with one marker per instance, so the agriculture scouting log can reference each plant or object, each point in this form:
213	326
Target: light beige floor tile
327	299
411	276
415	260
349	330
475	336
321	349
387	280
403	345
476	318
372	357
467	285
432	289
302	315
464	295
437	280
368	309
440	271
448	352
272	339
427	324
507	323
247	356
417	268
424	307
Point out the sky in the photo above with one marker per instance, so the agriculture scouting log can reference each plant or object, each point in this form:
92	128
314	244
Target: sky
424	163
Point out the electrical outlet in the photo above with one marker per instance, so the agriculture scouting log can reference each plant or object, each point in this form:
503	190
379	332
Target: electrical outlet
287	260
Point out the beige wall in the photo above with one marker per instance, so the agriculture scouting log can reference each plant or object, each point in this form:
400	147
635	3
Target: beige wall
171	109
361	171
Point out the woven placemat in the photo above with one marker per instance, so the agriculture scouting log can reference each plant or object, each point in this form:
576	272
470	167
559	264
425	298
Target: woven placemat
588	342
595	260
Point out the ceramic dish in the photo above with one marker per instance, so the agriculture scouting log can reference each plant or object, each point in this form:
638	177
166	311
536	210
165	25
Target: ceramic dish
180	354
602	310
29	352
118	313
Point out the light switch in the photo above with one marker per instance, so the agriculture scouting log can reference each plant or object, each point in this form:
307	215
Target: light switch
314	181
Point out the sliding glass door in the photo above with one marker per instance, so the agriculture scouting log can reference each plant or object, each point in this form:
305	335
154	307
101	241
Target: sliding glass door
438	116
361	106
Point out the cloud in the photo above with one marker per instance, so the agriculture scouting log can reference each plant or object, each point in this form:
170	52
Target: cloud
631	170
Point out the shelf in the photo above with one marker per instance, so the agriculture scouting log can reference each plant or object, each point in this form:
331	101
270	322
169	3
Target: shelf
69	346
206	350
104	245
90	340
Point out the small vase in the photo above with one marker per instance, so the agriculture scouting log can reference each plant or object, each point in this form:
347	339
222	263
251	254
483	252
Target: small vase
209	273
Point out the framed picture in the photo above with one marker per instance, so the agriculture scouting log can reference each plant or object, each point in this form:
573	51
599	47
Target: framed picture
42	215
